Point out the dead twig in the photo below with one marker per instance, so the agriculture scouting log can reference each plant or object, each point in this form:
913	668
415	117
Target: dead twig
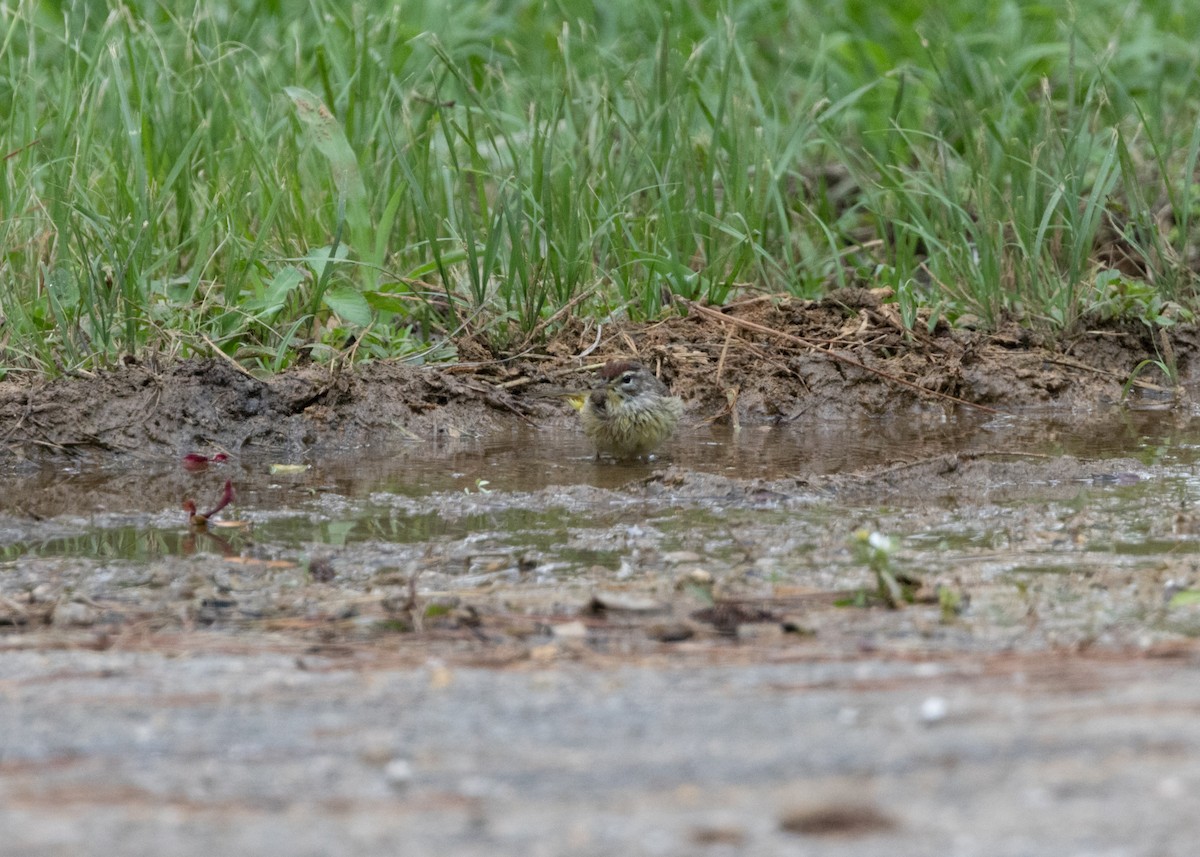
555	374
1116	376
15	152
219	353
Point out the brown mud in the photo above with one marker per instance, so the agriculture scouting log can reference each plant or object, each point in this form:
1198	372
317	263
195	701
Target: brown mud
859	362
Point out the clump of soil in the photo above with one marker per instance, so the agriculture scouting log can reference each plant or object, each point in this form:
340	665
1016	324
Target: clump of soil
756	361
209	404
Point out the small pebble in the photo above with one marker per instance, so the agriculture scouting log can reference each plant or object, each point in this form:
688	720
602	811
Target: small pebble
398	773
933	709
623	601
570	630
697	577
670	632
680	557
74	613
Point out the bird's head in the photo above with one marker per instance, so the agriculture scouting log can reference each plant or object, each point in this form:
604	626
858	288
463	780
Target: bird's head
627	379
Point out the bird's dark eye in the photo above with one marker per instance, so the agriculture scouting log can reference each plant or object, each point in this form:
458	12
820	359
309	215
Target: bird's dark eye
627	378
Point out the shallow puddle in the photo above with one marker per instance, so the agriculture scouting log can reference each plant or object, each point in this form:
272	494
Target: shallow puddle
534	458
130	512
1092	528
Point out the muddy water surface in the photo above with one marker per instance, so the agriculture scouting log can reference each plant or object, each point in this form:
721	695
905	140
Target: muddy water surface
1010	531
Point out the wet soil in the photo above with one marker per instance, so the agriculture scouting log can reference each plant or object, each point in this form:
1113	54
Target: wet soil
758	362
840	613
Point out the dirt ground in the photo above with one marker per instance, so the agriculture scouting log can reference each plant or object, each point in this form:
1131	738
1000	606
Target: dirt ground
691	656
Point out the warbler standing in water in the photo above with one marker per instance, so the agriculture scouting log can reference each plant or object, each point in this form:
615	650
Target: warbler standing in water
631	413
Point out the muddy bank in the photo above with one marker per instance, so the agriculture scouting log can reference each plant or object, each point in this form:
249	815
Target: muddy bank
759	362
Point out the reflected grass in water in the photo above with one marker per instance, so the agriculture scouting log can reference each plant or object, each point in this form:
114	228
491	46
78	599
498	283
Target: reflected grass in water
127	543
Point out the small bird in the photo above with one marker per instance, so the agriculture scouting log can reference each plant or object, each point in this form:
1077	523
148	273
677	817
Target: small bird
631	413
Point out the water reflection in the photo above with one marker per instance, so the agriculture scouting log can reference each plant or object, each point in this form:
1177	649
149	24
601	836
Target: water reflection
139	544
529	459
128	512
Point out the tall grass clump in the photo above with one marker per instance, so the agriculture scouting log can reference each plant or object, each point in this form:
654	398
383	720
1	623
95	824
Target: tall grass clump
1040	181
303	180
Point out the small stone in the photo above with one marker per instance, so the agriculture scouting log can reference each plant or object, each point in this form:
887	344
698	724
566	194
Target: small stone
321	569
43	593
398	773
670	632
12	613
697	577
837	820
718	836
74	613
680	557
795	625
1172	788
624	602
570	630
759	631
726	616
933	709
440	676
